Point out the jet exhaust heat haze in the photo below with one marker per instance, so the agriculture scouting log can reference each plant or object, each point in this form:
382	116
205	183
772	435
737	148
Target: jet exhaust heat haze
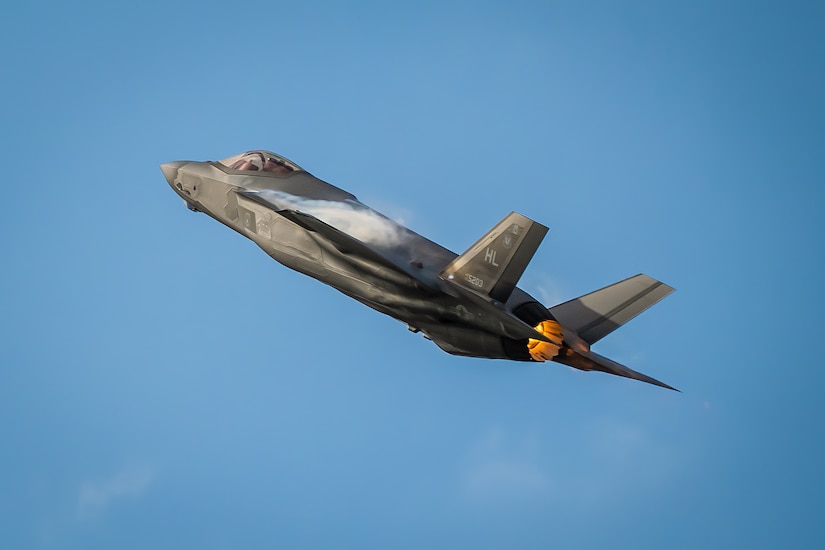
467	304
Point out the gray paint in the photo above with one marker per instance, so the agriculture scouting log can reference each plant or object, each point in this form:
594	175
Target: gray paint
467	305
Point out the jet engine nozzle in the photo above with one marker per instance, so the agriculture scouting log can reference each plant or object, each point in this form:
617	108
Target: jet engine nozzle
545	351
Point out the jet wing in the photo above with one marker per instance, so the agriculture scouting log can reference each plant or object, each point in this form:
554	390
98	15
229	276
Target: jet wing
345	243
395	258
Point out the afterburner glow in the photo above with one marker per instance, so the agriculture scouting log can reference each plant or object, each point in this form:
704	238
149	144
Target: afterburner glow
545	351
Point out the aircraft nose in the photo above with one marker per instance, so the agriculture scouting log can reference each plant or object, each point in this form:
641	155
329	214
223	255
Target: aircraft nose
170	170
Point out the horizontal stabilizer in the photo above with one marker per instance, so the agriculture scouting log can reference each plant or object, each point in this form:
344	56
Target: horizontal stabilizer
595	315
494	264
588	360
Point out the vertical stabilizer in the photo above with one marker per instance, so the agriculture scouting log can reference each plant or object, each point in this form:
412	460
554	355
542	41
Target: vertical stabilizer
494	264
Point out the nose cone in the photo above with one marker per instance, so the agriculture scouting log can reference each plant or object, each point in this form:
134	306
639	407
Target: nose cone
170	170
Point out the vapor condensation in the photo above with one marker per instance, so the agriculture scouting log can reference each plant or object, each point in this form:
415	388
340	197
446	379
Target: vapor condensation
352	218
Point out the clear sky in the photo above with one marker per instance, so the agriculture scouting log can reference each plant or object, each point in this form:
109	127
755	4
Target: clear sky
164	384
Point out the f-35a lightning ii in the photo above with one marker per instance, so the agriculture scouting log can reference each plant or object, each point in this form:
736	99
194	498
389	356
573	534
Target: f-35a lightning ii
467	304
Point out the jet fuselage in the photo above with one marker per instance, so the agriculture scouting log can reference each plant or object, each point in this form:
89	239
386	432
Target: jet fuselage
224	194
467	304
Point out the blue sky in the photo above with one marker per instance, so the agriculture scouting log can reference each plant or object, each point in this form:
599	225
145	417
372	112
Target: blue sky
164	384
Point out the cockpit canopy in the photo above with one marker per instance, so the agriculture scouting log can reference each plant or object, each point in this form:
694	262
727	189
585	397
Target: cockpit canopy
261	161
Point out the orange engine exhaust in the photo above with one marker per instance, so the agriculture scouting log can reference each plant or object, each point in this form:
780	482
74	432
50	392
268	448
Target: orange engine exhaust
545	351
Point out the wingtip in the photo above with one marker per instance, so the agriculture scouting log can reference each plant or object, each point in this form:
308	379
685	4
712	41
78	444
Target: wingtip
589	360
649	379
666	386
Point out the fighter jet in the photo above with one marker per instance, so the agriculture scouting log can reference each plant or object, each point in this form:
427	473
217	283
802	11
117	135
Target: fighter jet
467	304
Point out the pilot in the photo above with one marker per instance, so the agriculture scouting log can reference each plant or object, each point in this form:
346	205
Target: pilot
275	166
261	160
250	161
244	165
